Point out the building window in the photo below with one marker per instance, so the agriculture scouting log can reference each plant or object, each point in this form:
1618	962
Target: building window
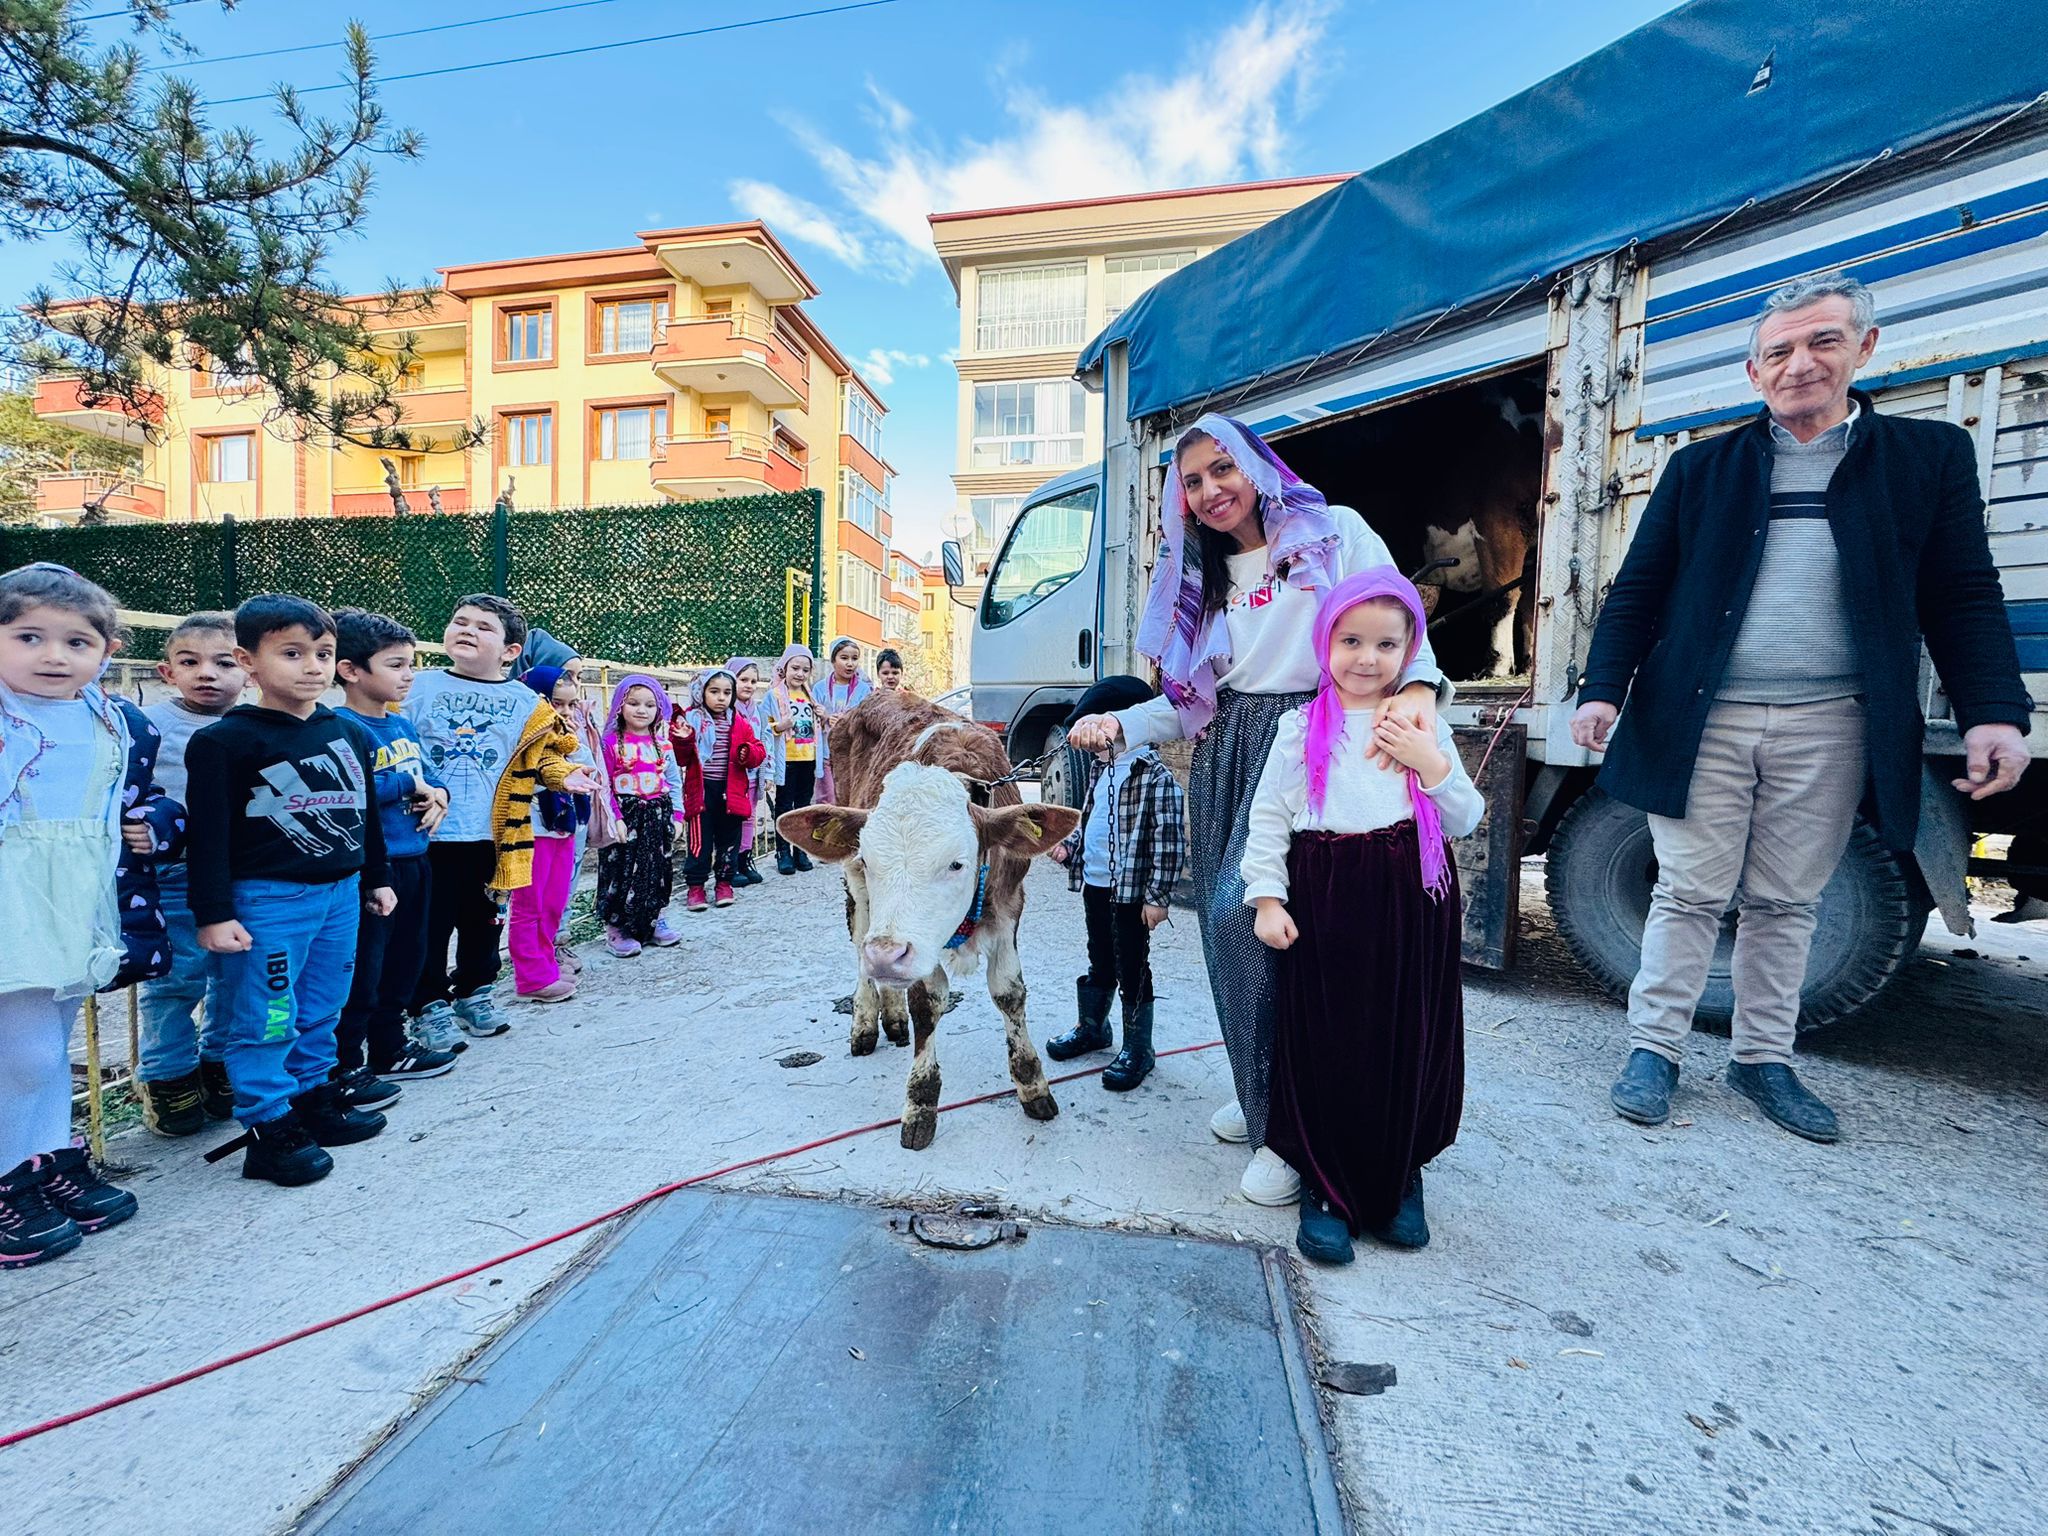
231	459
860	585
630	325
860	503
1027	423
530	439
631	432
1125	277
1019	309
862	421
992	517
529	335
931	602
413	376
409	473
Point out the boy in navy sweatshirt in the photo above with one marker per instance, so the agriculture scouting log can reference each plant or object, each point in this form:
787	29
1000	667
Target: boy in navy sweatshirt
286	852
373	656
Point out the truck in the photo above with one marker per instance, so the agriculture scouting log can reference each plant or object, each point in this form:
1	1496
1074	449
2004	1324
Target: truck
1582	263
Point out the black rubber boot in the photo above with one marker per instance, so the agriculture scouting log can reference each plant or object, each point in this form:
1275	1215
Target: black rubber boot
785	858
1092	1033
802	860
1410	1226
1776	1090
1134	1062
1643	1091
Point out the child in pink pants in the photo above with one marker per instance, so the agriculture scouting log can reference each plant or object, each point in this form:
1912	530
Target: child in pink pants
537	909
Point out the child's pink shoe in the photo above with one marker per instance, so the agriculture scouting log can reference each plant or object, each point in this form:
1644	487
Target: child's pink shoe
695	901
620	944
724	896
665	936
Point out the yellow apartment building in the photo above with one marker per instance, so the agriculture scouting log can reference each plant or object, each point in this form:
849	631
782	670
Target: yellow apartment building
935	629
683	367
1034	284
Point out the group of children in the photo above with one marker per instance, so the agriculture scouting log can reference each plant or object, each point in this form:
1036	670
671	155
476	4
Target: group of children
302	873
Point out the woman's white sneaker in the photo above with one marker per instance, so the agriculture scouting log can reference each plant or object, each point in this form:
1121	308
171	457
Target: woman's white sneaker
1269	1181
1227	1124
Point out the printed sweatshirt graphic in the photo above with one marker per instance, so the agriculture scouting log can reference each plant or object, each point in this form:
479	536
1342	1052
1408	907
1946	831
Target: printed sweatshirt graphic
274	797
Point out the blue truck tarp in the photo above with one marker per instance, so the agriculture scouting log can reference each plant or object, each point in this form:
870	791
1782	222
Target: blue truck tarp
1678	123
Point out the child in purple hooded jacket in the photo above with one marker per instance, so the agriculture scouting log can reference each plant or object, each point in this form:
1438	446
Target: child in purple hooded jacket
636	879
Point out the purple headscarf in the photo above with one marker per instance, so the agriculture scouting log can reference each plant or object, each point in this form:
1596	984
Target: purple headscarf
1193	651
663	705
1325	711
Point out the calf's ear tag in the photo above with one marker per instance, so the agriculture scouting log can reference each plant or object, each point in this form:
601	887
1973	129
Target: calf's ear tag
1030	827
832	833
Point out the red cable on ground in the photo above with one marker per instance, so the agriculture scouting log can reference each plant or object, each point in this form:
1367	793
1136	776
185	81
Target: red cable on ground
138	1393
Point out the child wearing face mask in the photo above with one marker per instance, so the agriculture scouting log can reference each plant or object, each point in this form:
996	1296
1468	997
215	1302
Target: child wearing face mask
636	879
74	788
718	752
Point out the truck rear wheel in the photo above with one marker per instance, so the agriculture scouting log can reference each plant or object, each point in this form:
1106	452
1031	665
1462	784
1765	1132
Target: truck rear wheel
1063	774
1602	868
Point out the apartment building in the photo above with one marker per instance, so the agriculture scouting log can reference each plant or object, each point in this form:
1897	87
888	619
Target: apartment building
683	367
1034	284
937	630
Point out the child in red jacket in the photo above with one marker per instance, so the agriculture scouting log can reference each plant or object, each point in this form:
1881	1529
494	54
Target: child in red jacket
717	751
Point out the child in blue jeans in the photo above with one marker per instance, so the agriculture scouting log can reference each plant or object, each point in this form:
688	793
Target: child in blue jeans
182	1080
285	842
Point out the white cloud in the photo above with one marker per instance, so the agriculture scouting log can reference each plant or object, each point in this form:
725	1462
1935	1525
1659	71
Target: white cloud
880	365
1221	117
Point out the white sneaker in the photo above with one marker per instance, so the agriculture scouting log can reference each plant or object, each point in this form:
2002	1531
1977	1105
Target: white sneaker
1269	1181
1227	1124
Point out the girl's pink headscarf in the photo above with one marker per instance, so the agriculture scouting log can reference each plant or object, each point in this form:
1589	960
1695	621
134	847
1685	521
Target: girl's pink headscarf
1326	711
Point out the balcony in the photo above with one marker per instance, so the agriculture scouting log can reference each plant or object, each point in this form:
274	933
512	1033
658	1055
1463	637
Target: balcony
723	464
454	498
447	405
63	498
740	254
734	355
63	401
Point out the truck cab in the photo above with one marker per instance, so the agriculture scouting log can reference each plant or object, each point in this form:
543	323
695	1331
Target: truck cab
1036	643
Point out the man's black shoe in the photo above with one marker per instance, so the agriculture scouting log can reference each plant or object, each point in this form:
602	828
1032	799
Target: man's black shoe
1643	1091
1776	1090
284	1152
329	1120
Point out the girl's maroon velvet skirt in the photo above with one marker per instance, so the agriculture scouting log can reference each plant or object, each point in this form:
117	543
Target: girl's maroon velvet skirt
1369	1039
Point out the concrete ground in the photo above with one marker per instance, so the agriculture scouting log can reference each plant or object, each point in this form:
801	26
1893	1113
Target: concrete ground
1707	1327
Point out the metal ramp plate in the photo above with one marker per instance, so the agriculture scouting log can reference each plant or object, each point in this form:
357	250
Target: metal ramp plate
740	1363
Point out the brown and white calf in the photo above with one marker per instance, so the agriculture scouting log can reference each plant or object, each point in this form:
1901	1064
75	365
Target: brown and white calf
934	882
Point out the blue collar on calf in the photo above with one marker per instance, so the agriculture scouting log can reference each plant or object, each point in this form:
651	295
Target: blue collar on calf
968	924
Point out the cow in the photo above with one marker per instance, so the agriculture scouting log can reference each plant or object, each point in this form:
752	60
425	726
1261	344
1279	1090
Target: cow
935	861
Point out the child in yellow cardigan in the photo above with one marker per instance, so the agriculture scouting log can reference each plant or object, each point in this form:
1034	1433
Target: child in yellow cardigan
494	743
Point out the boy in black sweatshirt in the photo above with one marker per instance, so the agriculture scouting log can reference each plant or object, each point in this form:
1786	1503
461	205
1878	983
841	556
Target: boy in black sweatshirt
286	851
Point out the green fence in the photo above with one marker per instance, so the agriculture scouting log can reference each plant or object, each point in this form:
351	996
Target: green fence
673	583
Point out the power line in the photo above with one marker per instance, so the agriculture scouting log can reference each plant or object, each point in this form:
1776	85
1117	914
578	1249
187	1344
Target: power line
126	11
381	37
568	53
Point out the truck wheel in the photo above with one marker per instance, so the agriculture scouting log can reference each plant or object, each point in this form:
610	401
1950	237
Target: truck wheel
1063	773
1600	872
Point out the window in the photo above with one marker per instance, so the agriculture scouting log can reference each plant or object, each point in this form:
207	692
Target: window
860	503
862	422
992	518
231	459
931	602
412	376
530	439
1032	422
718	423
1047	549
860	585
529	335
631	432
630	325
409	473
1023	308
1125	277
231	373
718	309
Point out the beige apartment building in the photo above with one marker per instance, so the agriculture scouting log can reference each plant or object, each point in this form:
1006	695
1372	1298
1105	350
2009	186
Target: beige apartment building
1034	284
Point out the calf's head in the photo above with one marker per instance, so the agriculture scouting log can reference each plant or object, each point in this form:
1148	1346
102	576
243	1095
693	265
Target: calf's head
921	850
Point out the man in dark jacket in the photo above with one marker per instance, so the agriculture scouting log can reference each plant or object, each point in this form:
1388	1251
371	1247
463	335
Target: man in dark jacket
1765	633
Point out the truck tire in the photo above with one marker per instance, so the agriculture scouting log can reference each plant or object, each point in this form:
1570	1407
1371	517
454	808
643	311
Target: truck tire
1064	774
1600	872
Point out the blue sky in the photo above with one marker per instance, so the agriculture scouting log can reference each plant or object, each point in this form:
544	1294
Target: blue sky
845	130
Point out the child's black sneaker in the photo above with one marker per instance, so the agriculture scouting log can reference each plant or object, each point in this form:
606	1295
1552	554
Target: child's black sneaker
174	1107
329	1120
32	1229
363	1089
416	1062
216	1093
75	1188
284	1152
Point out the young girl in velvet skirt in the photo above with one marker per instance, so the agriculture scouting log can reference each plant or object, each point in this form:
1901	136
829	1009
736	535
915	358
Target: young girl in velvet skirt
1347	865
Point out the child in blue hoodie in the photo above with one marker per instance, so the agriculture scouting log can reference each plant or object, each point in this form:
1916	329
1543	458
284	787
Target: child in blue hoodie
373	660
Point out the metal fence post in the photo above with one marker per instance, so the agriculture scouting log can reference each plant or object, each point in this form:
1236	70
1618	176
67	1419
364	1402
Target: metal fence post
501	550
230	574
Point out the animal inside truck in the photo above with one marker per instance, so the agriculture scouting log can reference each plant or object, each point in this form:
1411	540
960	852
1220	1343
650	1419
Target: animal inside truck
1491	346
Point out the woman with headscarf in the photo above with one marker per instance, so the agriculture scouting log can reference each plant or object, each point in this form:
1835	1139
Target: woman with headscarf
796	745
1250	550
